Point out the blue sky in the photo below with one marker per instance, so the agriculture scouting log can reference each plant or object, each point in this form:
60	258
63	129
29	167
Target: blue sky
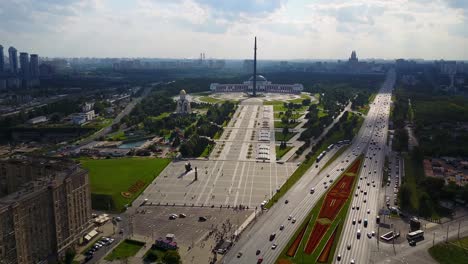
286	29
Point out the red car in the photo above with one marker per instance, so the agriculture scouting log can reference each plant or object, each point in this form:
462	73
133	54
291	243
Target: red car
260	260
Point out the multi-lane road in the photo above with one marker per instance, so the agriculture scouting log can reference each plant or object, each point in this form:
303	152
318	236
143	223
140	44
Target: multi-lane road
370	138
352	249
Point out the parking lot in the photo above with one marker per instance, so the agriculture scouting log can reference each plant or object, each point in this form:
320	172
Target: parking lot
154	221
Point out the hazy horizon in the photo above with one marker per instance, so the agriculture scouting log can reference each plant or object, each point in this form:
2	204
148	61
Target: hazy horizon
290	30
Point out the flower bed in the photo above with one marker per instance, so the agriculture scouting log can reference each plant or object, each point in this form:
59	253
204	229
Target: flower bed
323	258
315	236
293	248
354	169
331	207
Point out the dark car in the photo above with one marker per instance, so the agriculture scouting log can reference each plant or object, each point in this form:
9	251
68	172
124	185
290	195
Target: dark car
257	252
272	236
202	219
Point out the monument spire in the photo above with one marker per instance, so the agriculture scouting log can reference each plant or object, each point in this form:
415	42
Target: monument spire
254	90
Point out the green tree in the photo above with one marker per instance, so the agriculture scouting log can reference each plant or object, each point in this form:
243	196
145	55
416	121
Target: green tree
425	207
405	196
171	257
285	132
69	256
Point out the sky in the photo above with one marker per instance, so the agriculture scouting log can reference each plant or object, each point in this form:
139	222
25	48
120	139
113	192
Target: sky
224	29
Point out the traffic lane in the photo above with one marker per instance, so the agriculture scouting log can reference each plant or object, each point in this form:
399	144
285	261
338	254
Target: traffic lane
349	234
300	213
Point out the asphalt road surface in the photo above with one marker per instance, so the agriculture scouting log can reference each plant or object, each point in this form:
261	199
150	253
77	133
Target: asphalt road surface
301	201
369	181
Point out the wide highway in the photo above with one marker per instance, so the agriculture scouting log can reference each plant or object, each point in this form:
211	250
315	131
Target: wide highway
300	201
352	249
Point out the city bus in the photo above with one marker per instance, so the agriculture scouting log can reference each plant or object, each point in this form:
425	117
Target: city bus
415	235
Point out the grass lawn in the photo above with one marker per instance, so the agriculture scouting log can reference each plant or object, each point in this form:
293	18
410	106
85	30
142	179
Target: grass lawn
117	136
279	124
161	116
281	151
412	172
99	123
277	115
206	152
299	100
110	177
280	137
218	134
125	249
209	99
454	252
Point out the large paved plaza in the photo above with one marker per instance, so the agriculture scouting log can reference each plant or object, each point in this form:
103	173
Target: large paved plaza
242	168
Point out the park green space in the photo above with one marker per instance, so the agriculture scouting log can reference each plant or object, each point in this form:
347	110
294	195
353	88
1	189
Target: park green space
117	136
280	152
126	249
453	252
110	177
99	122
295	115
210	99
414	193
279	136
309	221
279	124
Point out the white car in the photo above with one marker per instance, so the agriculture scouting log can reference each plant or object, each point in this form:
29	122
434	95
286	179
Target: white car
274	246
294	220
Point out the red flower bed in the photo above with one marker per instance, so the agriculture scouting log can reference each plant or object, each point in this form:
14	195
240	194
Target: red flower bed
355	167
331	206
323	258
315	236
343	187
293	248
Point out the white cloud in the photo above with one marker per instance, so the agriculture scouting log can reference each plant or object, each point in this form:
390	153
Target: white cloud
225	28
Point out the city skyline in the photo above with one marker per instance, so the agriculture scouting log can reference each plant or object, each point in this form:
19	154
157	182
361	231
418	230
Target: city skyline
287	29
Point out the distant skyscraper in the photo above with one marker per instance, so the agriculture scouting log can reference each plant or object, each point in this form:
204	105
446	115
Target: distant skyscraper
25	76
353	58
254	90
13	55
2	62
34	66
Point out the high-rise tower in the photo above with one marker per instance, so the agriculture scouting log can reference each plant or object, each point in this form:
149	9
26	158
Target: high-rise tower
24	73
24	63
254	89
13	55
2	62
34	66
